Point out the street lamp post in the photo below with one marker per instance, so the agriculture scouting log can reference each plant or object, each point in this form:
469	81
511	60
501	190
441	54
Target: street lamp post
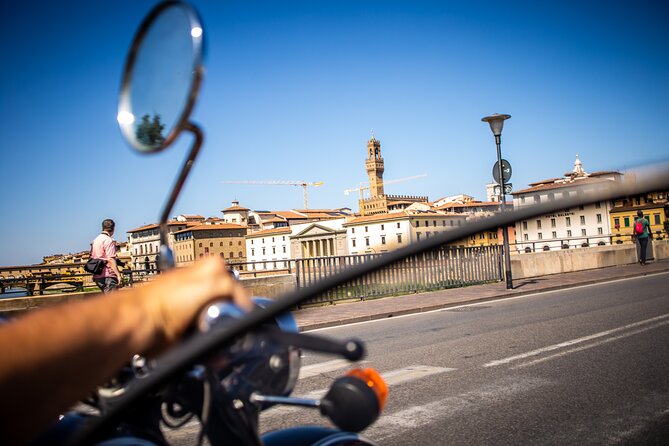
496	122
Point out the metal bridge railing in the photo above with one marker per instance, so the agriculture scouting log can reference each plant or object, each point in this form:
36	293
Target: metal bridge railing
447	267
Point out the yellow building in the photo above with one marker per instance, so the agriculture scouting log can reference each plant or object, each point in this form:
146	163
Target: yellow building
225	240
623	212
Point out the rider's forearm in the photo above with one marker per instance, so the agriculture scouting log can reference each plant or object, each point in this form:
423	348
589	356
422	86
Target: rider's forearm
55	356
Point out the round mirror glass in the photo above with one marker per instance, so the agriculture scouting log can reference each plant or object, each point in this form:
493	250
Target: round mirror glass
161	78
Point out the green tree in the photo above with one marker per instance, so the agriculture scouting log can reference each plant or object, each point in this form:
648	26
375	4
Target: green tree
150	131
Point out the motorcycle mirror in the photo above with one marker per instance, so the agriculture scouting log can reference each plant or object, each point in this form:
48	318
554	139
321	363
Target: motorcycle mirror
162	77
160	83
355	401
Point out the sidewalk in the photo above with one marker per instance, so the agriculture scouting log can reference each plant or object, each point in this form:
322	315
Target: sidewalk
345	313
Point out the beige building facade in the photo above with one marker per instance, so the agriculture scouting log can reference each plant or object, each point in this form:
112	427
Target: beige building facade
224	240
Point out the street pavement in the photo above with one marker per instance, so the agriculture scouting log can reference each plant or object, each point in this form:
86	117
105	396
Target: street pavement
349	312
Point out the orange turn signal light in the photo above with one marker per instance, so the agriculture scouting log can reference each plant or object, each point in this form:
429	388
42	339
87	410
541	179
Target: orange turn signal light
374	381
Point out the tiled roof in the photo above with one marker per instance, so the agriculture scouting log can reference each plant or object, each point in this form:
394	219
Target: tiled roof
642	207
394	216
561	185
235	208
218	227
169	223
470	204
289	215
285	230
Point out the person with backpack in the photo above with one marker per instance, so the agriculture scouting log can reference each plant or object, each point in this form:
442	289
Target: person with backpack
642	233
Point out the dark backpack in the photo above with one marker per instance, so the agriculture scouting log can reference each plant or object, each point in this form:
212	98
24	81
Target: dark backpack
638	227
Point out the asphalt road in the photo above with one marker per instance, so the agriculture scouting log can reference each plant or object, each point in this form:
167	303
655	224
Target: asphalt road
588	365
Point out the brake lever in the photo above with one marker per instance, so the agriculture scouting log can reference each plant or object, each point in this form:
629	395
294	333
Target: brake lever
351	349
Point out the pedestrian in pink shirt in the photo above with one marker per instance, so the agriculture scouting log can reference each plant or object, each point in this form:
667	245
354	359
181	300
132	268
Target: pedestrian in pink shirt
104	248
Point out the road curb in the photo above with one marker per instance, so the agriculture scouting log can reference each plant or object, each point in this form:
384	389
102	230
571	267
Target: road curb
439	306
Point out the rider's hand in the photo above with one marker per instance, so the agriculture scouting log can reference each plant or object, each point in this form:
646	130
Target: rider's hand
173	301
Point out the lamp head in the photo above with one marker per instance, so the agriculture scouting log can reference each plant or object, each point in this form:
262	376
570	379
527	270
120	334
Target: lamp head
496	122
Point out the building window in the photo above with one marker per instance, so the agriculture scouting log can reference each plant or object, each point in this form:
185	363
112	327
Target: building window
284	249
537	199
353	242
383	239
383	227
253	251
272	239
599	218
232	255
200	244
398	225
568	220
581	207
627	222
221	244
434	223
582	219
352	230
273	250
552	222
538	224
366	228
569	233
522	200
554	234
525	226
583	233
541	236
616	222
399	238
417	224
367	241
526	237
418	236
600	231
206	250
598	205
551	196
657	218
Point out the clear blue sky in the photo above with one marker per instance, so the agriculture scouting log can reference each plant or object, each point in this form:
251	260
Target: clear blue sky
292	90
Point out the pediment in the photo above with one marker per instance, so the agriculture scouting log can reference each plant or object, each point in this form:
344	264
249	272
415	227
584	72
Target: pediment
315	230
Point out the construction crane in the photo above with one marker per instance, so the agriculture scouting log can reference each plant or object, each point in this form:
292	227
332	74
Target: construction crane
303	184
399	180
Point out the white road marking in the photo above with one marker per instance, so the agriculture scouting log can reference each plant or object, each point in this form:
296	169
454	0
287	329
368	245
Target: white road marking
571	342
585	347
491	301
396	424
308	371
